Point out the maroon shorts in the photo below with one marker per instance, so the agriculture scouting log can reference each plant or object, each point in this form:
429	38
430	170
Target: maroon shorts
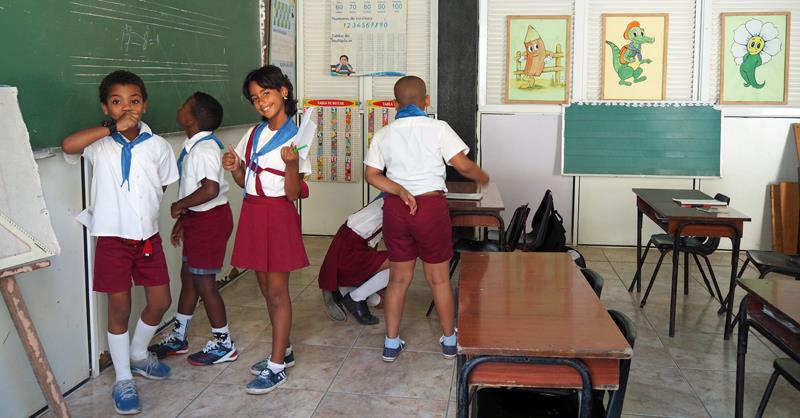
205	238
350	261
426	235
117	261
268	238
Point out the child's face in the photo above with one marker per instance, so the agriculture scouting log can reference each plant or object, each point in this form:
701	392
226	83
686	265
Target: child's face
343	60
184	117
123	98
267	102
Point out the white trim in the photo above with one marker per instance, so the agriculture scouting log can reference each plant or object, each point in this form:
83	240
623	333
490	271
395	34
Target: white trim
706	44
760	112
578	80
299	64
483	28
699	46
433	59
553	109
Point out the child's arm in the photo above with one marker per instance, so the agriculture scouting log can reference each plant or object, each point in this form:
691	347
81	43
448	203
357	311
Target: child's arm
376	178
176	237
234	164
291	181
208	190
469	169
76	142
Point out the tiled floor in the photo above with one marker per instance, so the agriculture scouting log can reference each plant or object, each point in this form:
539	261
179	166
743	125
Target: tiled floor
339	371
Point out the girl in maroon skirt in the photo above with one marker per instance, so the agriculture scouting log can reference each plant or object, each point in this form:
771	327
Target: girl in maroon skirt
268	238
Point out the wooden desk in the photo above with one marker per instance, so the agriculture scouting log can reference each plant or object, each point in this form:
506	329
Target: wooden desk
657	204
534	308
483	212
781	297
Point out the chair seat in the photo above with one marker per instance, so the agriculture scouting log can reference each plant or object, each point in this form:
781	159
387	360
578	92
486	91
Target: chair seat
789	369
664	242
472	246
777	262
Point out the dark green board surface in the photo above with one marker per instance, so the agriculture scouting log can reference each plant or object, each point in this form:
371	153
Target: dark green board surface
657	141
57	51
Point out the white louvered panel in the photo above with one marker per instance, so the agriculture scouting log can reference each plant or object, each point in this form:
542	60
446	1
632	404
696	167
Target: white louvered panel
496	36
316	50
711	57
418	50
680	46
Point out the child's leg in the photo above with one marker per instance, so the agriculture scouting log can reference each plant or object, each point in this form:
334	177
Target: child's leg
187	301
158	301
400	277
206	287
375	283
438	277
119	312
275	289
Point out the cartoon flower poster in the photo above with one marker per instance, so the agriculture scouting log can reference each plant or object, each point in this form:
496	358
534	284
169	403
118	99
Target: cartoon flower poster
537	59
754	58
634	56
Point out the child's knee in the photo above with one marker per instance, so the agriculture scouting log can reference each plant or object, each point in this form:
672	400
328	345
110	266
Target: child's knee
438	280
159	305
205	287
277	299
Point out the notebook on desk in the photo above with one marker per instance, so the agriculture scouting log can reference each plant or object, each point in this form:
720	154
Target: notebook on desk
699	203
464	196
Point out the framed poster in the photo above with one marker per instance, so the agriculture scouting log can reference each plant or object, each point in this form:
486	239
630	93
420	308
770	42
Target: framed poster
634	56
283	37
754	57
538	51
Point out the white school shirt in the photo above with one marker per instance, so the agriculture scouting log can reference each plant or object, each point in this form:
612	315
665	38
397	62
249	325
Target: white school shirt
271	184
367	221
414	151
203	161
116	211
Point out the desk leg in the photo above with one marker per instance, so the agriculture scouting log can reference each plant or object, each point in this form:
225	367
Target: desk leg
674	291
685	272
729	304
462	408
637	278
741	352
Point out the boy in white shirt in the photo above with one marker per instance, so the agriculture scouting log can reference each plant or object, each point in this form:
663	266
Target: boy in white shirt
132	168
204	225
416	220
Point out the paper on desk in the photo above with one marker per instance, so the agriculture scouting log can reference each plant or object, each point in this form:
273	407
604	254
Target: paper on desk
305	133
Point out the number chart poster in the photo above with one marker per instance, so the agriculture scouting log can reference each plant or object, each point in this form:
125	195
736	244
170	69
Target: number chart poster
335	154
282	39
368	37
379	114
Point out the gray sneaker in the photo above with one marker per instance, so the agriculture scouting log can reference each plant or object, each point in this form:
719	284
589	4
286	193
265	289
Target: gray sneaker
259	367
150	367
333	305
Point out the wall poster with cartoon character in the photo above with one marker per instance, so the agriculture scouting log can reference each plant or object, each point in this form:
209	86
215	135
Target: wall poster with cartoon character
754	57
634	56
538	51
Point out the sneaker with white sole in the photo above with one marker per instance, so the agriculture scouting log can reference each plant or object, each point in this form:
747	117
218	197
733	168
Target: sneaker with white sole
259	367
391	354
171	345
150	367
215	352
448	351
266	382
126	397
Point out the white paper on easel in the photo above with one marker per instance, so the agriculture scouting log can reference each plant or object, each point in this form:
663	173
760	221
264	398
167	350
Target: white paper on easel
26	235
305	133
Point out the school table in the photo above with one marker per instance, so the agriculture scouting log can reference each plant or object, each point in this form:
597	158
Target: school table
531	320
482	212
678	221
781	298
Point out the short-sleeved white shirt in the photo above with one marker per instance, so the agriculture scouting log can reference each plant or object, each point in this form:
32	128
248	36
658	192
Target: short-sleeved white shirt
414	151
114	210
367	221
271	184
203	161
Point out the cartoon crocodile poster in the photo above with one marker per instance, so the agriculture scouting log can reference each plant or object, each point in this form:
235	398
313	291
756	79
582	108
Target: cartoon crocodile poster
634	50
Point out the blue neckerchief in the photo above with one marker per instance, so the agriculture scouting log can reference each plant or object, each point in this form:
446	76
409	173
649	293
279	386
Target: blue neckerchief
184	152
127	156
409	110
284	134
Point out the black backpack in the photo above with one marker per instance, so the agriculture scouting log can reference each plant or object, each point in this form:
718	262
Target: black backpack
547	228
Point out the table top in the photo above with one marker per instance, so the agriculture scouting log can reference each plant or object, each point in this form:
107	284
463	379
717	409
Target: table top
532	304
489	202
779	295
660	200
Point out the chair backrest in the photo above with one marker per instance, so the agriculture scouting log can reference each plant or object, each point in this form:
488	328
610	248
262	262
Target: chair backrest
595	280
628	329
710	244
541	218
516	227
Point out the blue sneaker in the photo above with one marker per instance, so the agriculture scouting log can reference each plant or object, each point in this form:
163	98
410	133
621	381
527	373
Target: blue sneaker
266	382
448	351
172	345
150	367
259	367
214	352
126	398
390	354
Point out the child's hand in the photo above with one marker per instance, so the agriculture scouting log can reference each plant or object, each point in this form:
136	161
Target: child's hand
176	237
289	156
128	120
176	211
409	200
230	160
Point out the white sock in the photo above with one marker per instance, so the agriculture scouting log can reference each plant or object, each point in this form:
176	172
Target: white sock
119	348
275	367
373	299
375	283
141	338
222	335
344	290
182	325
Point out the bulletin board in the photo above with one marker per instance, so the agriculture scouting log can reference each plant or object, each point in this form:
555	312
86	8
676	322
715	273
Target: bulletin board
336	153
379	114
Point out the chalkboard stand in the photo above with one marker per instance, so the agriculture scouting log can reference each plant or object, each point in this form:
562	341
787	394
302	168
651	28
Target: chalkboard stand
30	339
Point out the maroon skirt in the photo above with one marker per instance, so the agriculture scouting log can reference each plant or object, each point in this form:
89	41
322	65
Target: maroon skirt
350	261
268	238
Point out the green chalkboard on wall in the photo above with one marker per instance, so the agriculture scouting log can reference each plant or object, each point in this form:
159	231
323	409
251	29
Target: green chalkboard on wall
57	51
655	139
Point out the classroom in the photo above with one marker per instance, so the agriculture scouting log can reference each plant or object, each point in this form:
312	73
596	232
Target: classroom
285	150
